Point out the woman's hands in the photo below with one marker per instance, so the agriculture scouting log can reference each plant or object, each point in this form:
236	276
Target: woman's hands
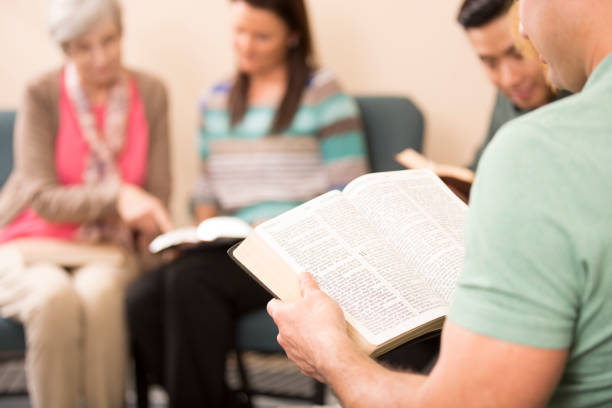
142	211
204	211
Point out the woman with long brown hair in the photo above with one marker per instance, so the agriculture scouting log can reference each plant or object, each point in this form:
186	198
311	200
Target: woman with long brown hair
277	134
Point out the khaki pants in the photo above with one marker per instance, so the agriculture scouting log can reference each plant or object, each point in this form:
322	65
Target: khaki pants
74	321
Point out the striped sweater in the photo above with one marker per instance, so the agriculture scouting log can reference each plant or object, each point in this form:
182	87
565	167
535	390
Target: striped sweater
254	175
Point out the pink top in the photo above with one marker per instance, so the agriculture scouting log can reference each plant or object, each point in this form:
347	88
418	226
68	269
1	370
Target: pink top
71	151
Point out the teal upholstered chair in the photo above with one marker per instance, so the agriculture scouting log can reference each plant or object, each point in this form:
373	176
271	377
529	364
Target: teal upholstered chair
391	124
12	339
7	122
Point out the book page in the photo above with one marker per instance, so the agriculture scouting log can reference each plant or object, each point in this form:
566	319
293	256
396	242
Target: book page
381	295
222	228
170	239
422	218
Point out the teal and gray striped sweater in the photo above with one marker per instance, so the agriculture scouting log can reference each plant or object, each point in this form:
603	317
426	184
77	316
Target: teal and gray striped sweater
254	175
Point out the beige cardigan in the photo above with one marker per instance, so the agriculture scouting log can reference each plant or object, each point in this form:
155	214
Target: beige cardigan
33	181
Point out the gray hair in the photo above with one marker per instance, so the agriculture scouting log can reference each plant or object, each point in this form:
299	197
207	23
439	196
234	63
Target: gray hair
68	19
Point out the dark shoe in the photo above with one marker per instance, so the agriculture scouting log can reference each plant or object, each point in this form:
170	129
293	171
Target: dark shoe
238	399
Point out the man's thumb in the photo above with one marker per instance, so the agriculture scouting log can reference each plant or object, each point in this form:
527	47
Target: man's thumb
307	283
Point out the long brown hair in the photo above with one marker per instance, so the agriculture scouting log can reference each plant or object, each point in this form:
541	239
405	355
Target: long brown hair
300	64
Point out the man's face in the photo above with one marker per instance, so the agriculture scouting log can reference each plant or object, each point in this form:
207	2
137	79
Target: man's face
552	30
520	79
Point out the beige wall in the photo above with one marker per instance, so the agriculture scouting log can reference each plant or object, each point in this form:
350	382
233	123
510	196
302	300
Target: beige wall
411	48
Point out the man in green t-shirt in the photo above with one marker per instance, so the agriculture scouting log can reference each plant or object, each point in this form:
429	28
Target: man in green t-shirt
531	320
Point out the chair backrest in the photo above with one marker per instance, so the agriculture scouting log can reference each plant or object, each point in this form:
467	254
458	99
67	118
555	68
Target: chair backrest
7	122
391	125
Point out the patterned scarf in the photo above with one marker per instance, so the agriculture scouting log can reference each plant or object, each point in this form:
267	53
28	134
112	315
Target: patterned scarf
101	167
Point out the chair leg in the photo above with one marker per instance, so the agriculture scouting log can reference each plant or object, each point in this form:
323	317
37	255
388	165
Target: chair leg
246	388
319	394
141	383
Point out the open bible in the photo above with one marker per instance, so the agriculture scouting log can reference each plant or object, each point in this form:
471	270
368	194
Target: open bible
219	230
388	249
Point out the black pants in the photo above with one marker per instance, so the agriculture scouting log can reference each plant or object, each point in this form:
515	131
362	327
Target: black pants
182	318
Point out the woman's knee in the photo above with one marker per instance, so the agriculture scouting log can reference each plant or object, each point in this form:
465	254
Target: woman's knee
55	319
197	273
181	275
101	290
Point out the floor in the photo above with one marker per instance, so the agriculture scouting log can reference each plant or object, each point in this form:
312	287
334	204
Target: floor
267	372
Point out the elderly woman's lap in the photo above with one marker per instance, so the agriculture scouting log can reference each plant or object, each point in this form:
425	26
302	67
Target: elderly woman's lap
75	325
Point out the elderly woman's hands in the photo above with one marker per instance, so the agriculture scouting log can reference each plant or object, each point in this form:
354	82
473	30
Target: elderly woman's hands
312	330
142	211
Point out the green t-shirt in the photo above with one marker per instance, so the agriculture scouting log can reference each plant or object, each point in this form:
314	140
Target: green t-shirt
538	265
503	112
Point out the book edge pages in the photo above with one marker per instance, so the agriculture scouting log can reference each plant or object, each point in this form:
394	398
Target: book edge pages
266	266
409	335
456	173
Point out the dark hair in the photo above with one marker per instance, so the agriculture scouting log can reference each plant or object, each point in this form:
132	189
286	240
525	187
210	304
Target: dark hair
477	13
299	60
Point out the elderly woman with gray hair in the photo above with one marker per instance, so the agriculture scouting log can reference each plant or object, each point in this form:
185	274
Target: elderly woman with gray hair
89	188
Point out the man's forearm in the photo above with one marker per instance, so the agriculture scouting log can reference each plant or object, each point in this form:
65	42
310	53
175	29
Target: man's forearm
502	374
360	381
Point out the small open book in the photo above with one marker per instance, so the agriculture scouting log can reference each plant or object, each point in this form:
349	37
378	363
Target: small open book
388	249
221	229
458	179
